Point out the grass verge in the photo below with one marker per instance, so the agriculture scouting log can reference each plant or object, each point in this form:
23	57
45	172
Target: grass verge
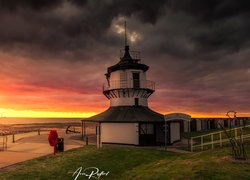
132	163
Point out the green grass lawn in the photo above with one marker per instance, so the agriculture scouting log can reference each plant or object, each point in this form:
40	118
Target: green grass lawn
132	163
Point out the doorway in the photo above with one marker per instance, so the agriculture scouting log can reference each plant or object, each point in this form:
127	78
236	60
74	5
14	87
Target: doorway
147	134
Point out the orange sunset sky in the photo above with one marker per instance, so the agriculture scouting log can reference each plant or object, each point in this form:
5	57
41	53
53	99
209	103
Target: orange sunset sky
53	57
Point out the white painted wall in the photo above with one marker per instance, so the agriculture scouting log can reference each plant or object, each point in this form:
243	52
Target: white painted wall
127	102
175	132
116	83
115	78
123	133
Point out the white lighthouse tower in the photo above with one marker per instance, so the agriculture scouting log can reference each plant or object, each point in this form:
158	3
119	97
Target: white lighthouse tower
127	83
128	120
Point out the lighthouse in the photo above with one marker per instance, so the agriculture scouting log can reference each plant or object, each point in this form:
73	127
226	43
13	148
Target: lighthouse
129	120
127	83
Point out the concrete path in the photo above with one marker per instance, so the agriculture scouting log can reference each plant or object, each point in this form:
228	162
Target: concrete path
31	145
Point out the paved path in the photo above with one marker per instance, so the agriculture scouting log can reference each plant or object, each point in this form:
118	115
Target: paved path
31	145
177	150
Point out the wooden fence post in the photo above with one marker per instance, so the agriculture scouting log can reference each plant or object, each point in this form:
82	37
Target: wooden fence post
242	135
5	140
84	129
220	140
191	144
87	140
202	143
212	140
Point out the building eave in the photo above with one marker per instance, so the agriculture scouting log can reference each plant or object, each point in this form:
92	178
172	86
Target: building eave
127	114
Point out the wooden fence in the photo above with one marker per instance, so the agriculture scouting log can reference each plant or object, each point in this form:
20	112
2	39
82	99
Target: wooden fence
217	139
3	142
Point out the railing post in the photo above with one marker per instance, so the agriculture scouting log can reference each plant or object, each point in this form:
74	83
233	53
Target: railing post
212	139
191	144
13	137
5	140
87	140
220	140
202	143
242	135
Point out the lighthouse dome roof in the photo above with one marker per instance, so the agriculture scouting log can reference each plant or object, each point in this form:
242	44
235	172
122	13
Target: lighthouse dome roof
128	62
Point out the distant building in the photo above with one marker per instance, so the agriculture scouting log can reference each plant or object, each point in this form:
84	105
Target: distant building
201	124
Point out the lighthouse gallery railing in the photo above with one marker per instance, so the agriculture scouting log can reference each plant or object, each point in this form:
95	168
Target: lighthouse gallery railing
137	84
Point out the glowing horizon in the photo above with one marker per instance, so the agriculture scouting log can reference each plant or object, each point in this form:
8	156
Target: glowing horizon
10	113
77	94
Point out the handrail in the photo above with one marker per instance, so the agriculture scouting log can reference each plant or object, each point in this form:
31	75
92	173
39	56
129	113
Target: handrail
4	143
218	132
223	140
219	141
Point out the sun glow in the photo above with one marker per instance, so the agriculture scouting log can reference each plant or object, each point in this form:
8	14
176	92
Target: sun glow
43	114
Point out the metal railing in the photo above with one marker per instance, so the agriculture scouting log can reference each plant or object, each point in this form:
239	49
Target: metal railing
212	140
3	144
137	84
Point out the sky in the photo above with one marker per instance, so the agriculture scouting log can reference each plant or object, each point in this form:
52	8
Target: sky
54	54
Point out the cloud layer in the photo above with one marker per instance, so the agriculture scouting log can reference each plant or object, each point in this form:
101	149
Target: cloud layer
53	54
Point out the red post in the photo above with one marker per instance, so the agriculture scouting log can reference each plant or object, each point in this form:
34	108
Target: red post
53	136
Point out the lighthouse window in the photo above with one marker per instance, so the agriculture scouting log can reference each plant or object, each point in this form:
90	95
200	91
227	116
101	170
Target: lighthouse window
136	80
136	101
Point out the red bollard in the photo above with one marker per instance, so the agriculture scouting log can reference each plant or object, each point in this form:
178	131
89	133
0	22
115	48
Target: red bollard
53	136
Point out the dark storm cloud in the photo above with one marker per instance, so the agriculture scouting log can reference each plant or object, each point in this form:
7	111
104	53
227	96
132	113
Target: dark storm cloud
33	4
60	25
195	28
209	11
198	50
222	24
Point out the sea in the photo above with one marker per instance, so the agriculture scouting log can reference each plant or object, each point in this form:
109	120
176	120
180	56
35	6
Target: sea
10	121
